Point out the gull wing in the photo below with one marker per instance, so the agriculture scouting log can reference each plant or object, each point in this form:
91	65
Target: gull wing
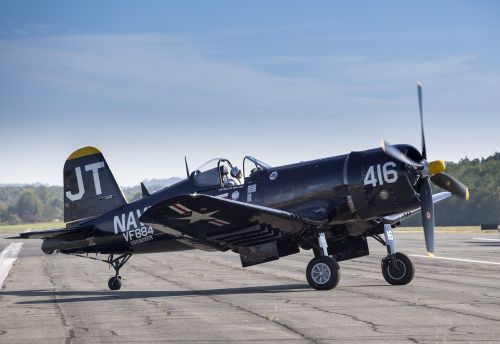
223	223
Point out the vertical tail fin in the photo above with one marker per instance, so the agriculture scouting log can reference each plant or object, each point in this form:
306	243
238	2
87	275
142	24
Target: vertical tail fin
89	186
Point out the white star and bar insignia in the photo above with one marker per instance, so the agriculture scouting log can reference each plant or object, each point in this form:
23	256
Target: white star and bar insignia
194	216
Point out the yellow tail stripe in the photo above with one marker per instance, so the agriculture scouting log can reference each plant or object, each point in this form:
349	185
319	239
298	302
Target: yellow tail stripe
83	152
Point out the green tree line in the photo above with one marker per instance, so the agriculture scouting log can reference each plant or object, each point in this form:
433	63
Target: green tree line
482	176
30	203
40	203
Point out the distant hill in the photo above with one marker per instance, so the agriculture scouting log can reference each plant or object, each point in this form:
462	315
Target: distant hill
28	203
134	192
37	202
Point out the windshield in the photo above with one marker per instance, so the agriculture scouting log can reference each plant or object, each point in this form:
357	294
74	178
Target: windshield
252	166
258	162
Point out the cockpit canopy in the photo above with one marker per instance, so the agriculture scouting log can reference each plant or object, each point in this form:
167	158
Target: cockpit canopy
214	173
211	173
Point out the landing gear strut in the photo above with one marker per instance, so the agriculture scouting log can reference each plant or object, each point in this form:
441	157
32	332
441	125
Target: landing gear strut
115	283
323	271
397	268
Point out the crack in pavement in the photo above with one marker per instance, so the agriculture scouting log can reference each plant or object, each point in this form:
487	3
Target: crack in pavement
211	297
62	317
455	329
373	326
148	320
368	295
415	304
158	305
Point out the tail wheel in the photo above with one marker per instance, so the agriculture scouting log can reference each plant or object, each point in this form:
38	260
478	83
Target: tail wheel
401	272
115	283
323	273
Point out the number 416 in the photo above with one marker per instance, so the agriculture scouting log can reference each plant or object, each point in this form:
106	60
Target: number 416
381	173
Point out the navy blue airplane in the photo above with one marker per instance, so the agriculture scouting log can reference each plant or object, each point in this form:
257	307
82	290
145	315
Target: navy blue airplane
330	206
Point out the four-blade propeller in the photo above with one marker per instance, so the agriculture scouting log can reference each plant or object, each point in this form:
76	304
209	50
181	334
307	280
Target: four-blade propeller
433	171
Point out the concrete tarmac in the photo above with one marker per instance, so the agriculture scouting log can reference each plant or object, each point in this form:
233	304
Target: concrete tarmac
200	297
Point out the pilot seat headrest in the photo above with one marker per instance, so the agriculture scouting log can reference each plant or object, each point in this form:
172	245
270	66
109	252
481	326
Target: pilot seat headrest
224	170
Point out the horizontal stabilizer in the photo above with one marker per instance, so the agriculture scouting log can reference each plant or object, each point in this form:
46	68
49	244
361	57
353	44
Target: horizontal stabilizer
66	233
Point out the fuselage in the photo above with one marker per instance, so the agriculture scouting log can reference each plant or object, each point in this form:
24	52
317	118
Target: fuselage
353	187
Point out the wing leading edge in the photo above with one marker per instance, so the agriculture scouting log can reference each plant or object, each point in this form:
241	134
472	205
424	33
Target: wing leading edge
391	219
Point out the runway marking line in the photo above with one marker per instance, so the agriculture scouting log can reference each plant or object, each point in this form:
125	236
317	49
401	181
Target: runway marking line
7	258
457	259
487	239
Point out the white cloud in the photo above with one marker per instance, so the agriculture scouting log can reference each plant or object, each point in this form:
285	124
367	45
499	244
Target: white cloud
138	94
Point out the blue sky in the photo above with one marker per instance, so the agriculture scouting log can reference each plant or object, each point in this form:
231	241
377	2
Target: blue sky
150	82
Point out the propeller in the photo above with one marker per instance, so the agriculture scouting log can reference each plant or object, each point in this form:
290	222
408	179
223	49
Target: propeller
427	212
447	182
421	110
428	171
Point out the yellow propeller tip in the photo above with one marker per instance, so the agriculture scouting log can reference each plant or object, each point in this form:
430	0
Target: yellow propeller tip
467	195
430	254
437	166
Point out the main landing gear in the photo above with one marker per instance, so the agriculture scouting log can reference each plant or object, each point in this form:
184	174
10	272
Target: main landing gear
115	282
323	271
397	268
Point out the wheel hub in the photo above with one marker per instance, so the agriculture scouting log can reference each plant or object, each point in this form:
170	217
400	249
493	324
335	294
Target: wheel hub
321	273
396	270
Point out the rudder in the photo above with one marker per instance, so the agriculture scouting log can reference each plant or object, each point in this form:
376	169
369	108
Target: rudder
89	186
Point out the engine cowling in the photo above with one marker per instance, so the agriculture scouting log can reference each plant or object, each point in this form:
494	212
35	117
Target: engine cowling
379	185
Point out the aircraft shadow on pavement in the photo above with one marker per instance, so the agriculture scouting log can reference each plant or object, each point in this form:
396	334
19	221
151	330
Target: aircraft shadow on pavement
52	296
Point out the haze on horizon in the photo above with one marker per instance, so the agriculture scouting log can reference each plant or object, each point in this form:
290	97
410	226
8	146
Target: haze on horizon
149	83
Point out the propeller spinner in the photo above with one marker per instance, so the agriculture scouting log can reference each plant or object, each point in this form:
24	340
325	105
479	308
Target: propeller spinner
433	171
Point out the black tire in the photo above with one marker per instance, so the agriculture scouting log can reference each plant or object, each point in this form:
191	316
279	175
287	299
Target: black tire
401	275
115	283
323	273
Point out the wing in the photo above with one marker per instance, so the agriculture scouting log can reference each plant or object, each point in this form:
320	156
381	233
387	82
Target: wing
391	219
223	223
